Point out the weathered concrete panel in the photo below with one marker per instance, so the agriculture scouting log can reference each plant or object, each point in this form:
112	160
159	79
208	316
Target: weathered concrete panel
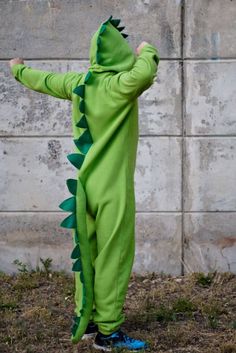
210	174
160	105
34	173
63	29
210	28
210	242
26	112
158	174
27	236
210	92
158	244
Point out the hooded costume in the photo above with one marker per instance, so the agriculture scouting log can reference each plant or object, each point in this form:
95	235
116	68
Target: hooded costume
102	205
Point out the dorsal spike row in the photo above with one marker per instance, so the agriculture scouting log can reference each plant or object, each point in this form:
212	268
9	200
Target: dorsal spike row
83	143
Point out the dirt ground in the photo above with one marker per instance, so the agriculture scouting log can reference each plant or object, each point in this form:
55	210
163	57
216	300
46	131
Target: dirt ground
179	314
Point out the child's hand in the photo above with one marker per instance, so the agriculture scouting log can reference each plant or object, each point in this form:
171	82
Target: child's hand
139	48
16	61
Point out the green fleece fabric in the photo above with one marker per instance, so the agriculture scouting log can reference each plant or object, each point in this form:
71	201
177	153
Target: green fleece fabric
102	205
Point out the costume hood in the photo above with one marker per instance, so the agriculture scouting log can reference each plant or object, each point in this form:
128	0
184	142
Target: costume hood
109	50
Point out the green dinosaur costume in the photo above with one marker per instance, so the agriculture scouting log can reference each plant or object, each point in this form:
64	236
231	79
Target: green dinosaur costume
102	205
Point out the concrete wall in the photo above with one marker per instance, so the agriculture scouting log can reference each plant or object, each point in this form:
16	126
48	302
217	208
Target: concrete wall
186	172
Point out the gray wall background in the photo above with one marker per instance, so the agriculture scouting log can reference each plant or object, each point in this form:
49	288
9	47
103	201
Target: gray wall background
186	172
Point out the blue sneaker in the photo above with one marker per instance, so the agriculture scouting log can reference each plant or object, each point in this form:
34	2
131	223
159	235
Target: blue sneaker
118	339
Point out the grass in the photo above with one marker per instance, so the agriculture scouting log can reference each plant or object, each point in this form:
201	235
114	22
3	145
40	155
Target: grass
178	314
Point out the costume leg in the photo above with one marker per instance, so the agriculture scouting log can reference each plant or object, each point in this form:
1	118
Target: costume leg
115	228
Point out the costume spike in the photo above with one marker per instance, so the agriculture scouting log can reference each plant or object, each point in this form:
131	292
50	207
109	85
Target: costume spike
76	159
79	90
72	185
77	266
82	106
84	301
68	204
124	35
84	142
76	236
120	28
103	28
98	57
69	222
115	22
99	41
82	122
81	277
87	77
75	252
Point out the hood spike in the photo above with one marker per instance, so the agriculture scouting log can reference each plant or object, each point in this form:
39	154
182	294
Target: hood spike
115	22
103	28
120	28
124	35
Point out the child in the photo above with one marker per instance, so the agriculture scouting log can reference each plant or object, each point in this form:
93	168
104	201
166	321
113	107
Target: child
106	131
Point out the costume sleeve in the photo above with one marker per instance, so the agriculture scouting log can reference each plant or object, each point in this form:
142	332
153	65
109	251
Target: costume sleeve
132	83
58	85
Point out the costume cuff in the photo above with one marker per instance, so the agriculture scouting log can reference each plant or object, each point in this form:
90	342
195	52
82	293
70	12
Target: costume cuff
15	68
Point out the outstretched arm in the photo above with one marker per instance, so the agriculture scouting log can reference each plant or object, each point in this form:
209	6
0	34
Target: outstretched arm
58	85
132	83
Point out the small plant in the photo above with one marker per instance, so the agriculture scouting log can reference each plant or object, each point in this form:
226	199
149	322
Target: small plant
184	305
22	267
233	324
8	305
47	263
165	314
228	347
211	310
203	279
213	320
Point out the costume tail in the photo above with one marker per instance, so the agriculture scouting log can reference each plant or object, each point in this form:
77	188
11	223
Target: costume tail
77	221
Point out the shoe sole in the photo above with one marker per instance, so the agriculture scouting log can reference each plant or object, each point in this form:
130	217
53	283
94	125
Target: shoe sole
88	336
106	349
